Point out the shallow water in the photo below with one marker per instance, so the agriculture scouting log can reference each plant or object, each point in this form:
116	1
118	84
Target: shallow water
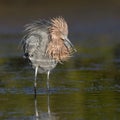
87	87
84	88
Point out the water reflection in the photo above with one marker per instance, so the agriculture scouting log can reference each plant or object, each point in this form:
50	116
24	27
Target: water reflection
76	94
41	115
36	108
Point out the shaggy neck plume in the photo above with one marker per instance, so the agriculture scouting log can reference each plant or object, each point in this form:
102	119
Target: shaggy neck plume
56	47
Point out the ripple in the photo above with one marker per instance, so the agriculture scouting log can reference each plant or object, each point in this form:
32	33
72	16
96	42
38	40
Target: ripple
30	90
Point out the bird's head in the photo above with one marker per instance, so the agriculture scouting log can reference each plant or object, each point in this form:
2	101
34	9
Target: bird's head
59	47
58	28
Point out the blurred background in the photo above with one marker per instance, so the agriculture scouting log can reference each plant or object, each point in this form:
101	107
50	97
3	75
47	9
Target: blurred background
87	87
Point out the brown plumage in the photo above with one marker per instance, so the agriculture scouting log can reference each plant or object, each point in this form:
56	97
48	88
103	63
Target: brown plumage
56	47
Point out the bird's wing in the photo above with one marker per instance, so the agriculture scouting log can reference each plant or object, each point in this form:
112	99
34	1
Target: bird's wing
34	36
31	44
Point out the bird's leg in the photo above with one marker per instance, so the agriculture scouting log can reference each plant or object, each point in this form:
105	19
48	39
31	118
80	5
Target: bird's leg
48	86
35	83
48	74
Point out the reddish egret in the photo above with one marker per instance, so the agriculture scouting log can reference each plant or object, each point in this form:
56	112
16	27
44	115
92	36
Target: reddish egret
45	44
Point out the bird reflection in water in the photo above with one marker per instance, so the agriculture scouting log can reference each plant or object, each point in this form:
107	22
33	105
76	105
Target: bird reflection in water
44	116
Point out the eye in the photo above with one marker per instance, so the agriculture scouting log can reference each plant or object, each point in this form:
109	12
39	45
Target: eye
62	39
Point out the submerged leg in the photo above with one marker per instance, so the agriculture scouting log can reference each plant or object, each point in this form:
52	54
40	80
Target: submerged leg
35	83
48	74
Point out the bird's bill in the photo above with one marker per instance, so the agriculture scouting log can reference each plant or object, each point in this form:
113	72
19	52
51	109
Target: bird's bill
71	44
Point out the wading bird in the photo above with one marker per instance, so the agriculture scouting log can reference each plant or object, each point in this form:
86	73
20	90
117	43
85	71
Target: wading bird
45	44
